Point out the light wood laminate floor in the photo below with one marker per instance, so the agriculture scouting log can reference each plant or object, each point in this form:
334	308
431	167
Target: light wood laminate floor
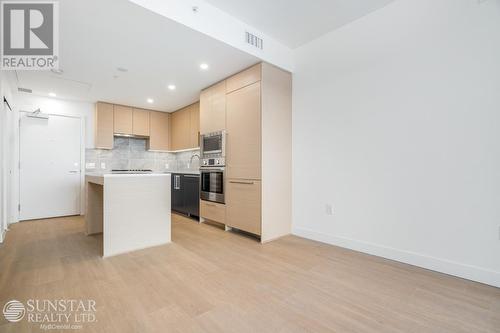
209	280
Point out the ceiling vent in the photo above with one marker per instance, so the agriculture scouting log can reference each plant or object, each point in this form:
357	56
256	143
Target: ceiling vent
25	90
254	40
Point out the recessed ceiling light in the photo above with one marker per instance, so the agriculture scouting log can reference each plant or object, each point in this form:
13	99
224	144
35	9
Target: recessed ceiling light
150	100
171	87
51	94
204	66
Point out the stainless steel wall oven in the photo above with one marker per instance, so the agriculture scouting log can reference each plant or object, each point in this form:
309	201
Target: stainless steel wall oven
212	184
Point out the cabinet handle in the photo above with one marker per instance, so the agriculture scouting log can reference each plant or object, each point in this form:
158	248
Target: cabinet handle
240	182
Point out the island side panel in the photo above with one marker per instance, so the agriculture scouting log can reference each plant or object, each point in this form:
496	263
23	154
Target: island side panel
94	212
136	212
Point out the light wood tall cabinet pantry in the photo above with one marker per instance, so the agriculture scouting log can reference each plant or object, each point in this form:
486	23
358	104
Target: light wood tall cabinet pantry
185	124
213	108
243	126
258	122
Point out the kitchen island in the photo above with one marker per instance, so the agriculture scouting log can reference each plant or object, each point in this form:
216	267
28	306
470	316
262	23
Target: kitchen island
132	211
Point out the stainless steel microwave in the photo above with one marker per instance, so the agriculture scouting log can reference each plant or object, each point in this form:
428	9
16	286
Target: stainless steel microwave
213	144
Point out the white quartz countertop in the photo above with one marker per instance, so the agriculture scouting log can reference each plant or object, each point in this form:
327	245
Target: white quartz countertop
98	178
112	174
189	172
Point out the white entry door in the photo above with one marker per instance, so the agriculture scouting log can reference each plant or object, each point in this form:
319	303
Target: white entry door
50	153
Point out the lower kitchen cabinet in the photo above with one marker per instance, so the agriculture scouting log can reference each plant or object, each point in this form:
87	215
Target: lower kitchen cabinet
186	194
213	211
243	205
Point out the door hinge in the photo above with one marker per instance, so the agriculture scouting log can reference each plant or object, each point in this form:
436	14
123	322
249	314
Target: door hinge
19	207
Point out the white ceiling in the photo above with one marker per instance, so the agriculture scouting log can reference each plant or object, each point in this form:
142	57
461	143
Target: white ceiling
296	22
98	36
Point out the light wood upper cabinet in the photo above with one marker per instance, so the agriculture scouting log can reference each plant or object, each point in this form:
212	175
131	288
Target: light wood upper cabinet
181	130
243	205
104	125
244	78
185	124
122	119
159	133
243	156
140	122
213	108
194	137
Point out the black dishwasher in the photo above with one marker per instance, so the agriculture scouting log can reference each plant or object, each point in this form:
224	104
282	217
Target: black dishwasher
186	194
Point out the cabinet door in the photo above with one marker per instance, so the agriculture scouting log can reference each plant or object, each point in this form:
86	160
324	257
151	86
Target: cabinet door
177	200
194	138
181	129
104	125
243	156
243	79
140	122
122	119
243	205
159	131
213	108
191	192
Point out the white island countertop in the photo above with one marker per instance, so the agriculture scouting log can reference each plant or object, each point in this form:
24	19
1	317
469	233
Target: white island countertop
98	177
131	210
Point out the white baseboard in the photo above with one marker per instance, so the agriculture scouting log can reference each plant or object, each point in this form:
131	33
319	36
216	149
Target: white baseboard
469	272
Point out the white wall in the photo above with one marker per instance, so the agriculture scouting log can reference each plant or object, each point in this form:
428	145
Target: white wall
396	124
218	24
7	131
28	102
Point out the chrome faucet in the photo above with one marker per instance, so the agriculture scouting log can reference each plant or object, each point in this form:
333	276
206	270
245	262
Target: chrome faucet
191	160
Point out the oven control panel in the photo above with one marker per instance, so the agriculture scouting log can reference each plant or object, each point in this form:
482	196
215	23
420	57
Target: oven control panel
216	161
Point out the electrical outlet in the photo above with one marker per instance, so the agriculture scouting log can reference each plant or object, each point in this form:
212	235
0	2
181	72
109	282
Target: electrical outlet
166	165
329	209
103	165
90	165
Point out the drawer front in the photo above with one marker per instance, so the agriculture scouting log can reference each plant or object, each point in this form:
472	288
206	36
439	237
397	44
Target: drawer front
213	211
243	204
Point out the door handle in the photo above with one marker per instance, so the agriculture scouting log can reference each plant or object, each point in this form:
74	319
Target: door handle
241	182
74	171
